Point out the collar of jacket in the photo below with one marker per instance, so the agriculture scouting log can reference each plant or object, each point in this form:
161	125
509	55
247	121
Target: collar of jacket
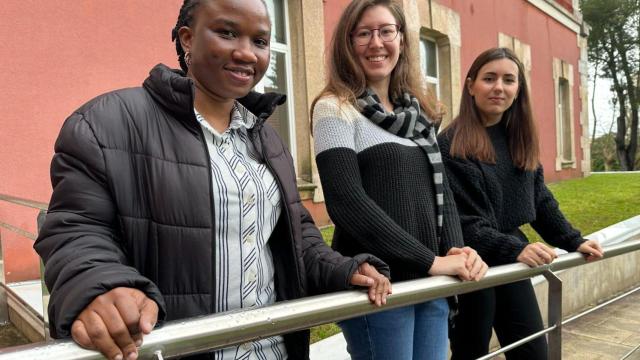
174	91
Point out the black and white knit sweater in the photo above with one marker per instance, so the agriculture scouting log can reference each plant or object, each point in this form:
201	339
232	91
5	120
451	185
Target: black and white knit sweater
379	192
494	200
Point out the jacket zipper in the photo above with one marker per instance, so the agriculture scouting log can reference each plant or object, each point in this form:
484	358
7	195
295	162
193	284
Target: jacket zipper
213	227
284	205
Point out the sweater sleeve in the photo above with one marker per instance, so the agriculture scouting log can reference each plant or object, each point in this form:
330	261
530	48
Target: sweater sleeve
79	242
550	223
347	202
479	225
325	269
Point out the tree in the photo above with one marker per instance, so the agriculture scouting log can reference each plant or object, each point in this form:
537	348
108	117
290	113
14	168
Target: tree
614	43
603	153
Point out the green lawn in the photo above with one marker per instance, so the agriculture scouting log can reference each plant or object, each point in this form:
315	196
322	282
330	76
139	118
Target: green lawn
596	202
590	204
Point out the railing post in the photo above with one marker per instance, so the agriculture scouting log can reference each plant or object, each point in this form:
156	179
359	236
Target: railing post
554	315
45	292
4	307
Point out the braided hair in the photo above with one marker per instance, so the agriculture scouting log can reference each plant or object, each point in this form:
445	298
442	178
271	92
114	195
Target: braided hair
185	18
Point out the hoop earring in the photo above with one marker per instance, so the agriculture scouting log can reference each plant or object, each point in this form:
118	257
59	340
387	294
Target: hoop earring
187	58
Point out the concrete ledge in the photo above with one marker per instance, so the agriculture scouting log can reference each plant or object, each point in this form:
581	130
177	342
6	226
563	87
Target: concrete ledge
590	284
24	302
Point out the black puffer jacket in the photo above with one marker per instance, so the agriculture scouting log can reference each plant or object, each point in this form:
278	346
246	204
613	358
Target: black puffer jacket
132	206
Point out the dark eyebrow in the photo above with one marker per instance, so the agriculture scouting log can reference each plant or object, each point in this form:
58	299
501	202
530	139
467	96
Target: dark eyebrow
491	73
369	27
232	24
227	22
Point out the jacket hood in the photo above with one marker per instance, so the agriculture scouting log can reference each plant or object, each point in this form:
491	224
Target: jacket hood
174	90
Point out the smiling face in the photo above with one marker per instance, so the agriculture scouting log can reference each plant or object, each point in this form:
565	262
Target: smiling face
229	45
494	89
378	58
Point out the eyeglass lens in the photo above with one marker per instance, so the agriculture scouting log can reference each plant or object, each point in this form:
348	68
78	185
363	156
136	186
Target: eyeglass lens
386	33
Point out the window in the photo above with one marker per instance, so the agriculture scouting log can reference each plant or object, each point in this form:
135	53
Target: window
564	110
278	75
565	133
429	64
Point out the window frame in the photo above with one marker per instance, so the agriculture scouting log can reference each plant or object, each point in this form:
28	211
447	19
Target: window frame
423	62
564	114
285	49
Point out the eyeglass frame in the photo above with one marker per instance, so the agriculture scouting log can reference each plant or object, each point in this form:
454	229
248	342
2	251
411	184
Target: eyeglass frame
353	33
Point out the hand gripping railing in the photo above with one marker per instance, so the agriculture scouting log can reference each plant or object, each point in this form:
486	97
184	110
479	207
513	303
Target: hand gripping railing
225	329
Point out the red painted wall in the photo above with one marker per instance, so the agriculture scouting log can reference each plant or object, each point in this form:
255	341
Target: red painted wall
55	56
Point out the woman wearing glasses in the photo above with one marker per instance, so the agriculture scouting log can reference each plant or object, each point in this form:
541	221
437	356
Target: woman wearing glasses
384	182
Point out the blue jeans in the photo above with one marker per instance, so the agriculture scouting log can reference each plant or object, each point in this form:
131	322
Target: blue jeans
413	332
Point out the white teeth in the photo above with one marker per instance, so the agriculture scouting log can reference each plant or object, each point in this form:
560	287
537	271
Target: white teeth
243	73
377	58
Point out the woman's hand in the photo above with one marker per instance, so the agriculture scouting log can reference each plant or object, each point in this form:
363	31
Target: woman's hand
378	284
454	263
591	249
115	322
476	266
537	254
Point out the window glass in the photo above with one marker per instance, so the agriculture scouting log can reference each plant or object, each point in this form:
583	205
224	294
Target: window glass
565	112
278	26
276	78
429	64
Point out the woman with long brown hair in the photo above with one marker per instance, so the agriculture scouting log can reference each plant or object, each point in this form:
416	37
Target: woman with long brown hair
491	155
383	179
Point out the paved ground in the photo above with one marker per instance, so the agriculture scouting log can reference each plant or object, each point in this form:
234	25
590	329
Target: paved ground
608	333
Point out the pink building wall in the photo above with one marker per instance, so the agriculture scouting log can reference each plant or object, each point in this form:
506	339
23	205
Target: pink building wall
55	56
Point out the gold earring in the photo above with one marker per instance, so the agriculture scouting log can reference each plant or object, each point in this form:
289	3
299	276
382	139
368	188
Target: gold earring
187	58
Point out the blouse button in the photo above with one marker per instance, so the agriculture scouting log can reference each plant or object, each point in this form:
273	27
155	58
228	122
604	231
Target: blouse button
240	170
250	239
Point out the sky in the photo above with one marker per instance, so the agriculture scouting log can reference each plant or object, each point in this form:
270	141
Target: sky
604	109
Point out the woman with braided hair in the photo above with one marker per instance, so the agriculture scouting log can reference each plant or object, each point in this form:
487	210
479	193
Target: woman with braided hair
383	179
176	199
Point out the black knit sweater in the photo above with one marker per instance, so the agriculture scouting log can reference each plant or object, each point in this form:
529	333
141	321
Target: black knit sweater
494	200
379	192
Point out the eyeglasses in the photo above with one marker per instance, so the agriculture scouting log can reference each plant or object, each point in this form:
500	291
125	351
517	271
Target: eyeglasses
387	33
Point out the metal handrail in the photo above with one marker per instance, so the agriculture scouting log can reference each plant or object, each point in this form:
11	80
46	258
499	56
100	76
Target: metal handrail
24	202
216	331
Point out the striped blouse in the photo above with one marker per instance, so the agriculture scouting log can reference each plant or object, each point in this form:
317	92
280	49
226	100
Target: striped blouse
246	209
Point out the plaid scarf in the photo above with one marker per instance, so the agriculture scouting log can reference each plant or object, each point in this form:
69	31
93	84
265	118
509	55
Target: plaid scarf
407	121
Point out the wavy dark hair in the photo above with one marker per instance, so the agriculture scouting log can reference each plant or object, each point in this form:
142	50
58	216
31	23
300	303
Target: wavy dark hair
469	138
346	78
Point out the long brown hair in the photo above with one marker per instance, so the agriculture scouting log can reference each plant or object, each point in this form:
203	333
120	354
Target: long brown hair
346	78
469	136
